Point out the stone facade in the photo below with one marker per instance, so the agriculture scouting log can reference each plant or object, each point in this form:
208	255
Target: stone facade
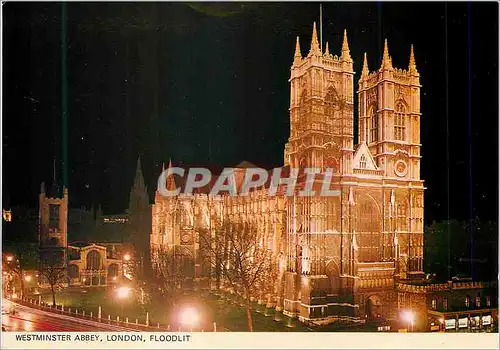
337	257
97	264
53	224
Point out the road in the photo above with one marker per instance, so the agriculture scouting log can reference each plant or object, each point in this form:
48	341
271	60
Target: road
28	319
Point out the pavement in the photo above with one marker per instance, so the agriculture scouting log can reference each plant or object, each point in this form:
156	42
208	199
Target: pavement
33	320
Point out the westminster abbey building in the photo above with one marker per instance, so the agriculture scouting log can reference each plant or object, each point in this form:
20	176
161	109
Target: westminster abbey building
337	257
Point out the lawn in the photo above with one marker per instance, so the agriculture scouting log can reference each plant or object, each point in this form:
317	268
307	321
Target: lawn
226	311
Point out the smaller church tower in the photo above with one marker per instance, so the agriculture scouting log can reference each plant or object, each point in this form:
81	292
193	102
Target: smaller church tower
53	222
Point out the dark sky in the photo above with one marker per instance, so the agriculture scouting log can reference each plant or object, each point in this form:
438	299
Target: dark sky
208	84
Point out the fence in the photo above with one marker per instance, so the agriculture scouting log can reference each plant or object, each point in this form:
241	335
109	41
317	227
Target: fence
128	324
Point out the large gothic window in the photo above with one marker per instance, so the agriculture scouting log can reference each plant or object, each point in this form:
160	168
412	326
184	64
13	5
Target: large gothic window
368	230
399	122
93	260
373	122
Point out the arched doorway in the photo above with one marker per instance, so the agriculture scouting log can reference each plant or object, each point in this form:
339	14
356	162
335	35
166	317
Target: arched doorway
373	308
113	272
73	271
333	273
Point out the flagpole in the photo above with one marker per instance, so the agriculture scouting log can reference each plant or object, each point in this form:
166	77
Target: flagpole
321	27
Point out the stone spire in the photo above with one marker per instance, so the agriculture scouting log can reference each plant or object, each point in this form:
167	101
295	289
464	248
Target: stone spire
139	179
346	55
412	67
386	59
297	58
315	50
170	178
327	51
365	72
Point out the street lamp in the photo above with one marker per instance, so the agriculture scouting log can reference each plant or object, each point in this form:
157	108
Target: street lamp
189	317
126	257
409	317
10	258
27	278
122	293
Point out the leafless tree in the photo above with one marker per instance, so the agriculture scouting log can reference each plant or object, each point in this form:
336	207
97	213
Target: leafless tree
168	271
243	263
53	271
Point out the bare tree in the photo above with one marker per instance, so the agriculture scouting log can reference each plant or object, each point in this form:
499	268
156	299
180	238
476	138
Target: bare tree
53	271
168	271
242	261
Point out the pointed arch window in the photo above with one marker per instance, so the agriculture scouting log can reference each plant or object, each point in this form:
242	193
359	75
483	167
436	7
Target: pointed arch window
362	162
401	216
331	110
399	122
373	123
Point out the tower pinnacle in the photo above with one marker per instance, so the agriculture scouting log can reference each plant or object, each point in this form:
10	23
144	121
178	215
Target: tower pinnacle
412	67
365	71
386	59
298	55
345	56
327	52
315	50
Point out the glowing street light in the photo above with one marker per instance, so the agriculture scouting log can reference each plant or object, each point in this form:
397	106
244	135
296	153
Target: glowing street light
27	278
10	258
123	292
409	317
126	257
189	317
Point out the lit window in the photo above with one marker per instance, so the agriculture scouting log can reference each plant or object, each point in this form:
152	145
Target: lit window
433	304
399	123
445	304
478	300
373	125
467	301
488	301
362	162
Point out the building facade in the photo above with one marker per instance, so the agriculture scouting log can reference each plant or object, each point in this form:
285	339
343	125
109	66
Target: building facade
336	257
456	306
97	264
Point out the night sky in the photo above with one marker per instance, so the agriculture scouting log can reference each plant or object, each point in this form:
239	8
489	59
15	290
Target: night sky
208	84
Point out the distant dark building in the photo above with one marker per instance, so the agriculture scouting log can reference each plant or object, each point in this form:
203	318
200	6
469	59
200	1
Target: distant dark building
139	219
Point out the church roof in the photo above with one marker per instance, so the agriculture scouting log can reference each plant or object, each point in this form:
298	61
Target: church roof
245	165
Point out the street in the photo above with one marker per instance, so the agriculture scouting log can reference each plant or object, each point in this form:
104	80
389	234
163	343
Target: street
28	319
